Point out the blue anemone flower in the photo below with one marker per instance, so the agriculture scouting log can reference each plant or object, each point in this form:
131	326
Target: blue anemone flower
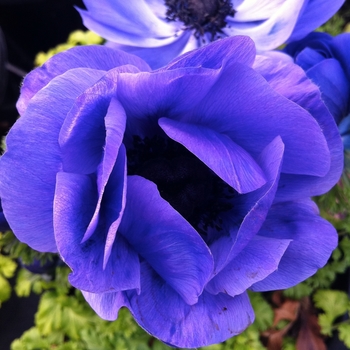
326	61
172	192
160	30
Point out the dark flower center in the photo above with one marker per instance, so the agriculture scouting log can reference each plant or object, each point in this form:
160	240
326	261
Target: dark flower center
204	16
190	187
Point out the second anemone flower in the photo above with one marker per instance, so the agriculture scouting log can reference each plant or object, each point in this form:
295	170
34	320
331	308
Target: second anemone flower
158	30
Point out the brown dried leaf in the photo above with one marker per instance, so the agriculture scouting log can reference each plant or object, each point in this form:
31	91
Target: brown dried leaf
309	336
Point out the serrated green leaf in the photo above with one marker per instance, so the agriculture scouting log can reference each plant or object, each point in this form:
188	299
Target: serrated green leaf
27	282
299	291
30	340
7	266
325	322
16	249
74	318
333	302
263	311
5	290
49	315
344	333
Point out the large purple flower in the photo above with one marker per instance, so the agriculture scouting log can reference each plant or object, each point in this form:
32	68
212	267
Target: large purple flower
160	30
172	192
326	61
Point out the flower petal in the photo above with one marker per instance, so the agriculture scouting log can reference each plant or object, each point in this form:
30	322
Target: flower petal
290	81
162	313
129	23
165	240
92	56
158	57
255	262
236	49
75	201
334	85
28	169
244	106
106	305
167	89
270	33
249	210
227	159
314	14
341	47
313	240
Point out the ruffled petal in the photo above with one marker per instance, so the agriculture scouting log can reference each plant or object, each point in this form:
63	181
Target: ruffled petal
239	49
313	240
75	201
165	240
249	210
330	77
255	262
290	81
320	42
163	313
92	56
28	169
106	305
308	57
167	89
243	105
158	57
227	159
341	47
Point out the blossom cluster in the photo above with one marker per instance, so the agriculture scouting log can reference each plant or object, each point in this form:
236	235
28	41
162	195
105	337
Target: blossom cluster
172	169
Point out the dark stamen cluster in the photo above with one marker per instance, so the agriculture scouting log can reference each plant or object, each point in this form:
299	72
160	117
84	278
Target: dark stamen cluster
197	193
204	16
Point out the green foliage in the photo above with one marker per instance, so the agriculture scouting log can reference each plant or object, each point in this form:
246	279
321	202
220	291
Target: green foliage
7	270
288	343
10	245
5	290
333	303
62	313
77	37
28	282
334	26
263	312
344	333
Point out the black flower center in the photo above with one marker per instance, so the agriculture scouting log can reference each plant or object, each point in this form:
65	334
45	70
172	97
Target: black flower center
190	187
204	16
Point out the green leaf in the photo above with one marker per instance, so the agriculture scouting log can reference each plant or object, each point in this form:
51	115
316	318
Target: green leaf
27	282
15	249
7	266
299	291
49	315
30	340
263	311
5	290
333	302
344	333
325	322
62	313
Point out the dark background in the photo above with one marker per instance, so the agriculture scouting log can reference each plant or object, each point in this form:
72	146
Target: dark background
29	26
